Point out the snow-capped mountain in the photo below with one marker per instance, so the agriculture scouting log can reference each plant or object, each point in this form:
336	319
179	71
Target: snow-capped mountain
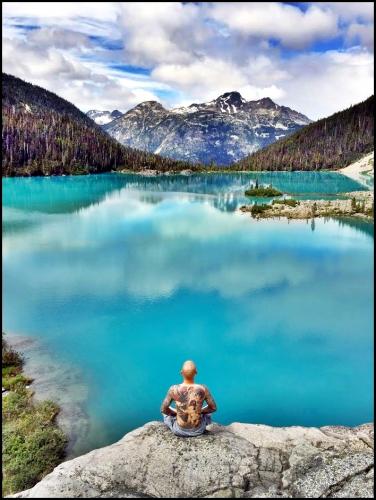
103	117
222	131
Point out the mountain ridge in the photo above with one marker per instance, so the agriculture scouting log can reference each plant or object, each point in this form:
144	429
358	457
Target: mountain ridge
220	131
43	134
329	143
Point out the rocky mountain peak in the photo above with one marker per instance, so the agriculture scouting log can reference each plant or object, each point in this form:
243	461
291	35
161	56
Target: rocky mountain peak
229	102
267	103
223	130
231	98
151	105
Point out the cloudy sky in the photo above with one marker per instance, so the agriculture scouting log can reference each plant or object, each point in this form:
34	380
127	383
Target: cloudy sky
316	57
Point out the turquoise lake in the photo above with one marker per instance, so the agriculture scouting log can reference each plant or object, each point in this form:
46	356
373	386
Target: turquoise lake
121	278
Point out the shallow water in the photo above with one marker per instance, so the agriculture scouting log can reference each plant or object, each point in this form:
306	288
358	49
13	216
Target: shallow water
122	278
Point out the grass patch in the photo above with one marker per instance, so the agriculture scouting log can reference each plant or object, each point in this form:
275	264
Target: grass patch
32	442
288	202
264	192
12	382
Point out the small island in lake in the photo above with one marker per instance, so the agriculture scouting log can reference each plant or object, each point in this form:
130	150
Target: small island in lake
356	204
262	191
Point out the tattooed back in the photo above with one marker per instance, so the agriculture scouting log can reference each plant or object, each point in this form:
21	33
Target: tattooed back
189	399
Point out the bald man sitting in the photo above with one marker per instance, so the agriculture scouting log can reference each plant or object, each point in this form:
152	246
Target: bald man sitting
190	418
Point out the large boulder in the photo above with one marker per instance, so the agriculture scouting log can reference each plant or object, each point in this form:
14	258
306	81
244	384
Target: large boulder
240	460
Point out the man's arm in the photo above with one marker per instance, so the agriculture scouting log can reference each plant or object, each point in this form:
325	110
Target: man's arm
165	408
211	406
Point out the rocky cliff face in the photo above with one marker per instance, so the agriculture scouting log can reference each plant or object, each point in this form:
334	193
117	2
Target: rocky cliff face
240	460
222	131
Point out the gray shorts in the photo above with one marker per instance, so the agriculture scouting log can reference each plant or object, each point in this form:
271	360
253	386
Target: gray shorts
172	424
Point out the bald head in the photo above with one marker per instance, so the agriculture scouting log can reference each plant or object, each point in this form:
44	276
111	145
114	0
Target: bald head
188	370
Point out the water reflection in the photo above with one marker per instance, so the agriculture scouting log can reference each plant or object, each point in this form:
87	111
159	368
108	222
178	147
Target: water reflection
362	225
71	193
139	279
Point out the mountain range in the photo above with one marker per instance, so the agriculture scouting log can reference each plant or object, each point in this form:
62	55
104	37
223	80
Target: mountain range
221	131
43	134
330	143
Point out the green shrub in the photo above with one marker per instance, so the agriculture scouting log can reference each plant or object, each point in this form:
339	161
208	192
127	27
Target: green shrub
12	370
29	457
16	403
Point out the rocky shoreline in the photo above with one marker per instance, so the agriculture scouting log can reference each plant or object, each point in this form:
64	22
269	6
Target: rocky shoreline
234	461
155	173
356	204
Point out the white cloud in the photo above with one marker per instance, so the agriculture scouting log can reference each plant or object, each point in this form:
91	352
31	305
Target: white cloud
361	33
287	23
102	11
351	11
160	32
47	61
195	52
90	19
198	77
321	84
316	84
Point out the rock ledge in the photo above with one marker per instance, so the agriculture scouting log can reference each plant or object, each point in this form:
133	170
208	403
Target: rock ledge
240	460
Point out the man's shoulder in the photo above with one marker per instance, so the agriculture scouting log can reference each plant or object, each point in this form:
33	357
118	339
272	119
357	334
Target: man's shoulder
203	387
206	389
175	387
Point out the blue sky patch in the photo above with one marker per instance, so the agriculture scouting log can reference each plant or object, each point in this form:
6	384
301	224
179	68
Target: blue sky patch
128	68
107	43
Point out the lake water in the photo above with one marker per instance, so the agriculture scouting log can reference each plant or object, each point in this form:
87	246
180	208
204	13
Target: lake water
121	278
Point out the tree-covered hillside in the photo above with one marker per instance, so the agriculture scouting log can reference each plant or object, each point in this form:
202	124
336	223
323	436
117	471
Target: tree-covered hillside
45	134
330	143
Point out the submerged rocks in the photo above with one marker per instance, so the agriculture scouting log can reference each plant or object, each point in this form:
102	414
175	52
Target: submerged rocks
240	460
